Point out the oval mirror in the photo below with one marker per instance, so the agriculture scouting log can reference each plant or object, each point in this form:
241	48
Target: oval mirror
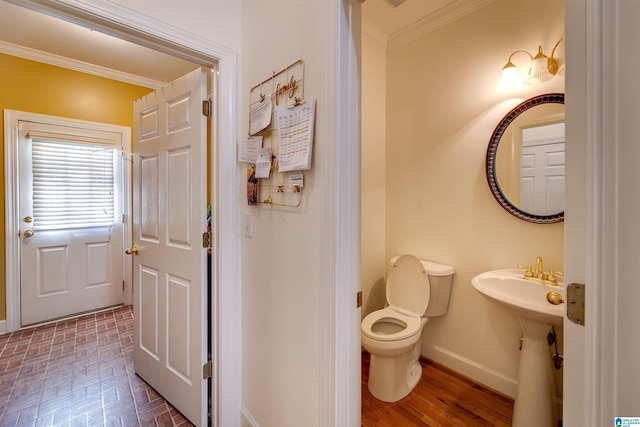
525	160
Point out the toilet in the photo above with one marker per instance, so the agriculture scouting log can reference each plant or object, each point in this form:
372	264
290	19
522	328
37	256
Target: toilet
416	290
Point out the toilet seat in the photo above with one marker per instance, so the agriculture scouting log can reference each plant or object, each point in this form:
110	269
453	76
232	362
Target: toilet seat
408	286
414	325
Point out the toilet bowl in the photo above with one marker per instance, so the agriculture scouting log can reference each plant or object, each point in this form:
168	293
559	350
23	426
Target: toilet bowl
416	290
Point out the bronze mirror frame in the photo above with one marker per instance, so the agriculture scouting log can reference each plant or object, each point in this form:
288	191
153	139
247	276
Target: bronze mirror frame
550	98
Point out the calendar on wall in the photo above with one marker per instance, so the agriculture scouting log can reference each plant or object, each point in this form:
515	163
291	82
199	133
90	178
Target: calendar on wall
279	146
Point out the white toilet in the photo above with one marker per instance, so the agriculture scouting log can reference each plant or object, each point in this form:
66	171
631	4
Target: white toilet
416	290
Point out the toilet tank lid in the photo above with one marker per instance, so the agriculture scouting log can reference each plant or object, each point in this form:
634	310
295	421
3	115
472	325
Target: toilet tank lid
432	268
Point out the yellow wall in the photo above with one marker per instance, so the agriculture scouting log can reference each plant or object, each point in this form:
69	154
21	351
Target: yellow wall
38	88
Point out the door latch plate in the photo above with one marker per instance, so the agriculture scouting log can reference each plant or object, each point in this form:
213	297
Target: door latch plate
575	303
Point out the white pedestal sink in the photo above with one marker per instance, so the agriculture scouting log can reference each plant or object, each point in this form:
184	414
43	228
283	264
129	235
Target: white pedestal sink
534	405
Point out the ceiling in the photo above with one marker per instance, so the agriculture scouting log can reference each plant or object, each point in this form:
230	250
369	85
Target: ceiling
391	19
40	37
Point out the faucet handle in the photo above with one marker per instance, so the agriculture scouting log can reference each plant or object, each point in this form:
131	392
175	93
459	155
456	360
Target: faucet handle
552	279
528	271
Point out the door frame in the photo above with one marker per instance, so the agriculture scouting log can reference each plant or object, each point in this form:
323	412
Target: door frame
601	247
12	220
122	22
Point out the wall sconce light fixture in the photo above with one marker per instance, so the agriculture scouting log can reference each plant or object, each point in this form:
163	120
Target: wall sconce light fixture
543	68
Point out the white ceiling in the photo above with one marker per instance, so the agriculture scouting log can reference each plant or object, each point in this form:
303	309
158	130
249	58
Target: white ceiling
44	38
390	19
40	37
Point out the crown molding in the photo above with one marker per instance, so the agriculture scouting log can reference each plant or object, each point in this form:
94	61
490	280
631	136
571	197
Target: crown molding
374	35
83	67
441	17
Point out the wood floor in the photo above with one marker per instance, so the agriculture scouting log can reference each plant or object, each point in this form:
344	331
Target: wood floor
442	398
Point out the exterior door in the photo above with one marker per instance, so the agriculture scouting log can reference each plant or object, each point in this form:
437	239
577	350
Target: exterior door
70	211
169	262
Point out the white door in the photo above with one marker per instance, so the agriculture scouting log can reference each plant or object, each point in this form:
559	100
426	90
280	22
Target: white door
169	262
542	180
70	210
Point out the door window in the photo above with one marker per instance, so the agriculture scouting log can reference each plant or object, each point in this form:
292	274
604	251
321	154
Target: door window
73	185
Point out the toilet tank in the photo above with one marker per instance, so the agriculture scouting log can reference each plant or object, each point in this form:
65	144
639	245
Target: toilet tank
440	279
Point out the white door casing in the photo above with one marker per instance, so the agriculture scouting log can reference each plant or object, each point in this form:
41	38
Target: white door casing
602	231
68	270
14	226
170	277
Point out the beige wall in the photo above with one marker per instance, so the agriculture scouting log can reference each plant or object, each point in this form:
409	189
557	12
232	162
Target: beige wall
373	172
282	278
442	108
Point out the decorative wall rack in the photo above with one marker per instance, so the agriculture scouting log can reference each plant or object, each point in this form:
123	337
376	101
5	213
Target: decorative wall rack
285	88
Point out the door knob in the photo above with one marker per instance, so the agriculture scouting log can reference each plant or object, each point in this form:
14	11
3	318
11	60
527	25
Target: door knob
133	250
28	233
28	219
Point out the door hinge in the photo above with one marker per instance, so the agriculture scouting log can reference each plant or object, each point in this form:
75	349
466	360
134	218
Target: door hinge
575	303
206	240
206	108
207	370
359	299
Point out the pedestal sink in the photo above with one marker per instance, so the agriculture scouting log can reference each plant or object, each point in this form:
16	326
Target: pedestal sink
534	405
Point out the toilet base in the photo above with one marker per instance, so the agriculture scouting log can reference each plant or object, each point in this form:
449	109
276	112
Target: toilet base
393	378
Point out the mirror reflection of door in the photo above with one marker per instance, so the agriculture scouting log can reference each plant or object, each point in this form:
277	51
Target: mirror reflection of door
518	163
542	169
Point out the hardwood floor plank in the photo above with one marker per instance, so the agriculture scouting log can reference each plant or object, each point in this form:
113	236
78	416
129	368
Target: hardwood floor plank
442	398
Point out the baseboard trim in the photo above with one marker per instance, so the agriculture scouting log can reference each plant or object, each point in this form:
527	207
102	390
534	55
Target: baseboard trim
489	377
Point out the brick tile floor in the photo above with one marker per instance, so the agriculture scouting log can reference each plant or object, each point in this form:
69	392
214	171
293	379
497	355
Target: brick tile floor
78	372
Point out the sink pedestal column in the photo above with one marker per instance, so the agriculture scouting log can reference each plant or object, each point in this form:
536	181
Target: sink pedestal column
534	404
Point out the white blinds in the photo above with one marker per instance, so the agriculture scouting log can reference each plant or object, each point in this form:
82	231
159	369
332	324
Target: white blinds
73	185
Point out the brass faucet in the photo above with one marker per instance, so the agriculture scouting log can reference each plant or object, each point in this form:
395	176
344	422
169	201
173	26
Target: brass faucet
539	270
539	275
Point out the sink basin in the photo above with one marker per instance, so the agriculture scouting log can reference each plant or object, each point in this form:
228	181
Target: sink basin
527	299
534	404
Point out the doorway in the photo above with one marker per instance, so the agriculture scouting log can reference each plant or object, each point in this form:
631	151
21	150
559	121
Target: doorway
225	316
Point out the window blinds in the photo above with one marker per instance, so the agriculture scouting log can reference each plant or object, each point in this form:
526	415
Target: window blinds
73	185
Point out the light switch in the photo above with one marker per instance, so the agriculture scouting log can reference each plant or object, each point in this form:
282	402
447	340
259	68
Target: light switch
247	227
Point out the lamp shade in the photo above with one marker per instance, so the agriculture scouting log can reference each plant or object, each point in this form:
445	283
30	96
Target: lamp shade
510	79
539	69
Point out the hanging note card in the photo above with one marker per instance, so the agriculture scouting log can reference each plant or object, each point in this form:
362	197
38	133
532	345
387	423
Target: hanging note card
263	164
260	115
295	128
249	149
